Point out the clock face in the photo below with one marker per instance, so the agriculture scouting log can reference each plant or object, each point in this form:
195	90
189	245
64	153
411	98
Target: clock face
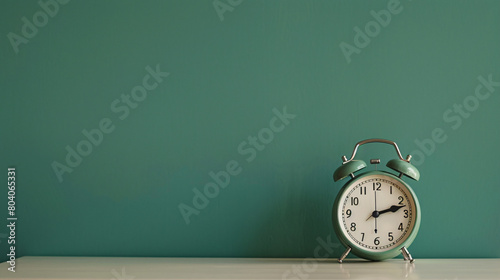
376	212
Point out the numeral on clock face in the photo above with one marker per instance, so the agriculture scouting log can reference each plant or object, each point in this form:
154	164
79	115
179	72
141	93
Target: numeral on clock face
354	201
377	212
362	190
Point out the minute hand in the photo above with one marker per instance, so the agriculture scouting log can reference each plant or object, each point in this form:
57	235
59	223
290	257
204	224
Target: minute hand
393	208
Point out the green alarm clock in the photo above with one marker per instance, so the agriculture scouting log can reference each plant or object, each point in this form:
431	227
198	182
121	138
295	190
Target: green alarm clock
376	215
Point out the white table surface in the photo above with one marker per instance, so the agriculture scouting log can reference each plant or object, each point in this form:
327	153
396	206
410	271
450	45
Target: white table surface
244	268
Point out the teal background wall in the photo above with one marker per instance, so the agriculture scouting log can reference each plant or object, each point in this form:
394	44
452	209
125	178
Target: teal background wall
228	73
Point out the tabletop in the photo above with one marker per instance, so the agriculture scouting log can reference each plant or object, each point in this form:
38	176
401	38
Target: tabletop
121	268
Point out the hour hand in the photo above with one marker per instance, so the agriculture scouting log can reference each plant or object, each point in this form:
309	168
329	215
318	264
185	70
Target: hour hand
393	209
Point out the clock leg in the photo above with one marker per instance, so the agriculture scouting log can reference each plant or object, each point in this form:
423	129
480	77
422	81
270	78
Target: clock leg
346	252
406	255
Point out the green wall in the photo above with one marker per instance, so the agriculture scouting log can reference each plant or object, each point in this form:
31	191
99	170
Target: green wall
233	69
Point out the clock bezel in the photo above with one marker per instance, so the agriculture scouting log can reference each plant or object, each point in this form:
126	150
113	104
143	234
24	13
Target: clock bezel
355	249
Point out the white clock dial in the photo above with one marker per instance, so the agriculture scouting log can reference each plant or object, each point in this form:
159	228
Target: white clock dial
377	213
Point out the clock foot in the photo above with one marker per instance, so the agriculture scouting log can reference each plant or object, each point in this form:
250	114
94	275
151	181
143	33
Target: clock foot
406	255
346	252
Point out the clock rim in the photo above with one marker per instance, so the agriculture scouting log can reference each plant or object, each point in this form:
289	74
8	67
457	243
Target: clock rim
370	255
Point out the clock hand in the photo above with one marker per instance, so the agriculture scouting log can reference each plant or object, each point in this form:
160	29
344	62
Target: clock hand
375	212
393	208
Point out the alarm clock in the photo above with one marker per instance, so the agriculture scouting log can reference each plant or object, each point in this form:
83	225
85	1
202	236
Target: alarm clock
376	215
